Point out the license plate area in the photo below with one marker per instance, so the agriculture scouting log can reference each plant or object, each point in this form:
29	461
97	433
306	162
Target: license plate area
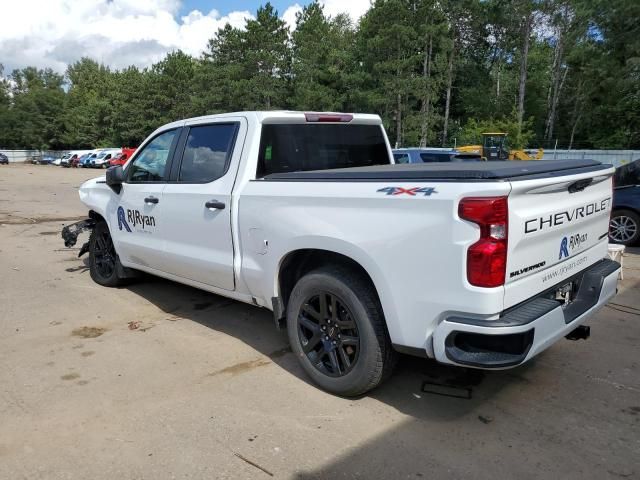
566	293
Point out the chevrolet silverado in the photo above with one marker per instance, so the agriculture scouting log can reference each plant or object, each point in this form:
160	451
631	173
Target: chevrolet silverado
476	264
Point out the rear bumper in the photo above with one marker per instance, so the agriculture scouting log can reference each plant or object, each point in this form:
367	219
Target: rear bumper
527	329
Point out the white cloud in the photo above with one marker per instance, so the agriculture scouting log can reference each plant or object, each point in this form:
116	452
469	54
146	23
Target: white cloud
54	33
119	33
355	8
289	15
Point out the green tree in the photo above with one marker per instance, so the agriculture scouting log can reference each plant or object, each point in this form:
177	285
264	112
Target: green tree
171	88
321	60
220	78
89	109
266	60
388	50
32	114
437	71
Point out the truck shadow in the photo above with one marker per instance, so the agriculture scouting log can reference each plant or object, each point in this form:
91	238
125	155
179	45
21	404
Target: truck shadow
454	391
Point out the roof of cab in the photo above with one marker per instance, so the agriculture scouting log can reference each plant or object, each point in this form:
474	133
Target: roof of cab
274	116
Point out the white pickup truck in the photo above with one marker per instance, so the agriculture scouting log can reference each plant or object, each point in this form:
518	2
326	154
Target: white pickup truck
477	264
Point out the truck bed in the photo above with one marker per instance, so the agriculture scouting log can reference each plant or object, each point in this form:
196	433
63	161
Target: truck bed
447	172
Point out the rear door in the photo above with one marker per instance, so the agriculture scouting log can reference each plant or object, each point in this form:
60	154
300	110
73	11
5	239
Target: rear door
135	219
197	202
558	226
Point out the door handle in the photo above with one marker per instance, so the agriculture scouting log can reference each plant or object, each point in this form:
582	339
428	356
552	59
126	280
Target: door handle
151	199
214	205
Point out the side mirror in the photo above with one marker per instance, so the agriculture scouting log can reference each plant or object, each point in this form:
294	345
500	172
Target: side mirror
115	177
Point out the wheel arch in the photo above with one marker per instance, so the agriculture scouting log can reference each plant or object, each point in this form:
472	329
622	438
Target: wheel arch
624	206
97	216
296	263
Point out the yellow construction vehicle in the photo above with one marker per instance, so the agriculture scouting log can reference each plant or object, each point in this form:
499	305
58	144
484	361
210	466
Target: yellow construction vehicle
495	146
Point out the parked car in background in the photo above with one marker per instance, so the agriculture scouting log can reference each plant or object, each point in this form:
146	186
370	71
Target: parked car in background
85	161
67	159
432	155
58	161
76	162
38	159
624	226
103	158
122	157
4	159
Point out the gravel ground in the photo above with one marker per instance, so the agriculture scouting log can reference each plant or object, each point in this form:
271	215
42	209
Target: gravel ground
205	387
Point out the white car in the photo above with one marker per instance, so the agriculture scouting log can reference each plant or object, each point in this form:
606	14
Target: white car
103	157
67	159
480	264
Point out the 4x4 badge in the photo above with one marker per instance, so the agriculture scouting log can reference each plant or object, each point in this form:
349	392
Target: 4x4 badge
425	191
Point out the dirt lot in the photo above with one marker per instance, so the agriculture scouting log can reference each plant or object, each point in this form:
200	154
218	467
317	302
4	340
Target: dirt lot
206	388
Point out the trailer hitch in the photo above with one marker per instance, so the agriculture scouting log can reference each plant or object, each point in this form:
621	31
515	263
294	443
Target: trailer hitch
580	333
70	234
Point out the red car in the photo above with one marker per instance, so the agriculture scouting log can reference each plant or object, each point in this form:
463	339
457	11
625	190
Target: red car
122	157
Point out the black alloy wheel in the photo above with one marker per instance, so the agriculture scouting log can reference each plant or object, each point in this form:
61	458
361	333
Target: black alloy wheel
337	330
104	264
104	254
328	334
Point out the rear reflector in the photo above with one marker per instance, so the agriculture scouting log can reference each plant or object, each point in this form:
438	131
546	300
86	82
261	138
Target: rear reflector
487	258
328	117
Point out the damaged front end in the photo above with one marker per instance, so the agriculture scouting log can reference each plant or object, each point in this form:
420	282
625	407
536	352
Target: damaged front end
70	234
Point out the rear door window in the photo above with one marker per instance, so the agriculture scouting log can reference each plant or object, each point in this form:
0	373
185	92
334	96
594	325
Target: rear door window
302	147
207	152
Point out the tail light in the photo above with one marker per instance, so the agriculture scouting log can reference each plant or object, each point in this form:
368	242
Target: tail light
487	258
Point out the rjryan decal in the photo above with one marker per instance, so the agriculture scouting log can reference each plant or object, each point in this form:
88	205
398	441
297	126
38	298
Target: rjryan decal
571	243
133	219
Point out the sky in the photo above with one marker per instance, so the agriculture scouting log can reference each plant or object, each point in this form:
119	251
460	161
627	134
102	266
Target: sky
119	33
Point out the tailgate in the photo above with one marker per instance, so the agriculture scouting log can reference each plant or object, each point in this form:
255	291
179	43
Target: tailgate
557	227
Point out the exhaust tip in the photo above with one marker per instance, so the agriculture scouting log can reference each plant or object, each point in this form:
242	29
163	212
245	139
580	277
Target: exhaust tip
580	333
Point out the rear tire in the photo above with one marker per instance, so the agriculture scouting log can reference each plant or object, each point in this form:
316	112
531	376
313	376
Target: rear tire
624	227
104	263
342	341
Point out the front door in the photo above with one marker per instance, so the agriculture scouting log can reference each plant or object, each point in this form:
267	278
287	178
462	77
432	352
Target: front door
197	205
134	218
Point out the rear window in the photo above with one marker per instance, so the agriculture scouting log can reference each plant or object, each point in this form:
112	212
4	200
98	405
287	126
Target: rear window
435	157
301	147
401	158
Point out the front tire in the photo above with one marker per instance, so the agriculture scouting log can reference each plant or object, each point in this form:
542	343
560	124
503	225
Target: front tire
337	330
624	227
104	263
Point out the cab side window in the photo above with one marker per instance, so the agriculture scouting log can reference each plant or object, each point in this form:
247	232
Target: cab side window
207	152
151	163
